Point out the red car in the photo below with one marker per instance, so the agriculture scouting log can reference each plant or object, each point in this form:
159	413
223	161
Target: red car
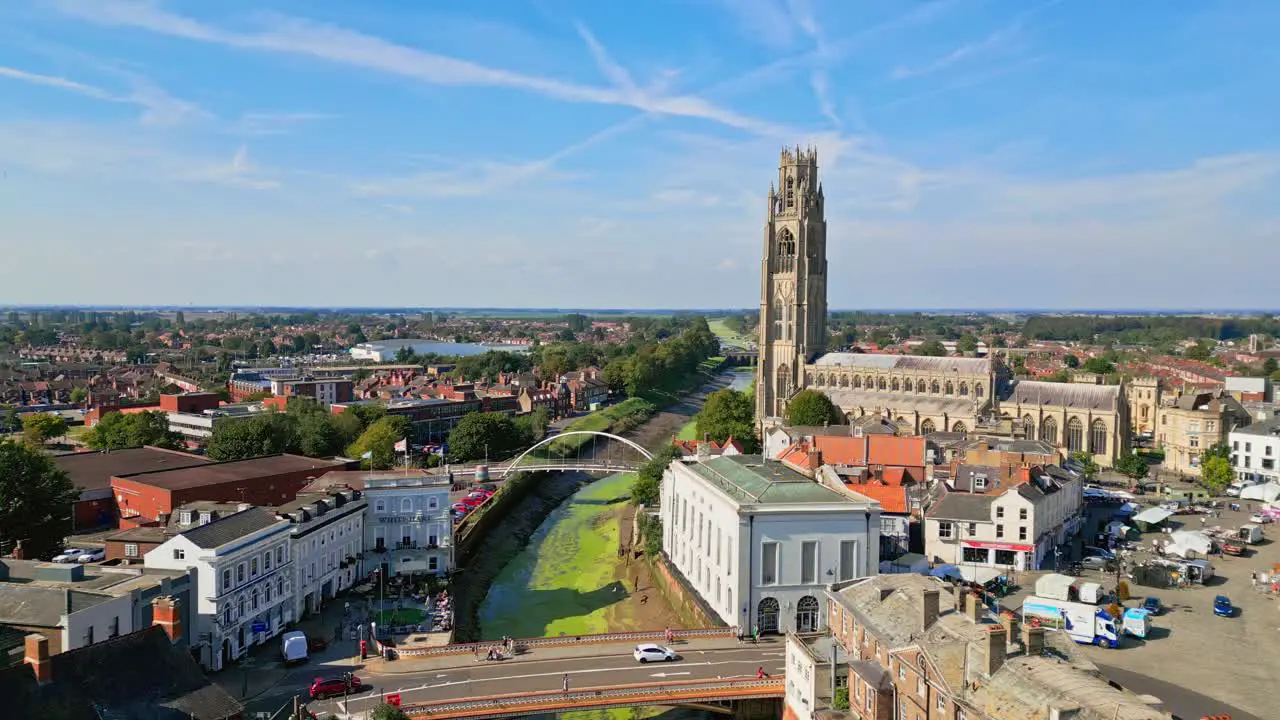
473	502
323	688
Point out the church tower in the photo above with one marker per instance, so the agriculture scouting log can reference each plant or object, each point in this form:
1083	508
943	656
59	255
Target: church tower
793	282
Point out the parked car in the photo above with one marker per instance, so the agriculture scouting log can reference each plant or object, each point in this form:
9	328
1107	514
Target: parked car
472	503
69	555
649	652
480	495
461	508
1094	562
1260	519
1222	606
89	556
1091	551
331	687
1152	605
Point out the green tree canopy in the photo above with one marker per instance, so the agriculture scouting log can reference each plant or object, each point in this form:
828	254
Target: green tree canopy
493	435
35	501
1099	365
1216	473
1132	466
1270	366
78	395
117	431
967	344
1086	462
1071	361
728	413
810	407
387	711
37	428
647	487
380	439
268	433
931	348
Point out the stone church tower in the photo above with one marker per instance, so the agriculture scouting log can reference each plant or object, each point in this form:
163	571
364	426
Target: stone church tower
793	282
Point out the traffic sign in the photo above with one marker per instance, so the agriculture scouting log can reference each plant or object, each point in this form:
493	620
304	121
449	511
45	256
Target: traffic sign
259	627
394	699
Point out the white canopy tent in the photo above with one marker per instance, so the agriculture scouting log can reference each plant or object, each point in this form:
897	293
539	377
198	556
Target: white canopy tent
1183	542
1266	492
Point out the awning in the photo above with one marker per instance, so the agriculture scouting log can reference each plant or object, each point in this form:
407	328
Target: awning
1153	516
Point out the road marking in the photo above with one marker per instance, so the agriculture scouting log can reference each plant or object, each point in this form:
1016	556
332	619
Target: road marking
662	675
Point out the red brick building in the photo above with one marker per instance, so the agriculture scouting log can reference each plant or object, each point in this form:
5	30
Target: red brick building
91	473
190	402
273	480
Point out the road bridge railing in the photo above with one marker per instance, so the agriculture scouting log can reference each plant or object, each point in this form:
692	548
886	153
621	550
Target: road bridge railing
663	693
527	644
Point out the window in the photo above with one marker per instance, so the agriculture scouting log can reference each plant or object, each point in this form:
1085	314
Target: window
1022	513
769	563
88	636
1075	435
185	517
1248	447
226	615
266	560
433	502
979	482
1022	532
179	554
1098	437
975	555
279	555
999	531
868	706
848	553
1210	426
240	573
1235	445
114	628
942	702
406	504
433	563
999	511
808	562
255	599
973	529
902	671
1266	450
253	567
226	580
945	530
130	550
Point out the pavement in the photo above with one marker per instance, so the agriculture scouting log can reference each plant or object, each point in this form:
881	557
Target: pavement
603	664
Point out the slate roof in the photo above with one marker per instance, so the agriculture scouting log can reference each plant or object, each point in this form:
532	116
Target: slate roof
749	480
1066	395
962	506
93	470
905	362
232	527
139	676
233	471
903	403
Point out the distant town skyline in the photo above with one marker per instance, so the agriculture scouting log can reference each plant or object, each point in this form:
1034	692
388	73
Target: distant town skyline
974	154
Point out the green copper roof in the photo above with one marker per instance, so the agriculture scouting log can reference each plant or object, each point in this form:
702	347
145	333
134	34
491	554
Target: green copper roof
749	480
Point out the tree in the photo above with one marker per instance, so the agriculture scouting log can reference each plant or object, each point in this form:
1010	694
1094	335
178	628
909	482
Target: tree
647	487
117	431
380	440
1132	465
1086	463
78	395
320	436
11	420
37	428
967	344
268	433
1199	351
481	435
405	355
1098	365
728	413
1216	474
538	421
1071	361
1218	450
387	711
35	501
1270	366
931	348
810	407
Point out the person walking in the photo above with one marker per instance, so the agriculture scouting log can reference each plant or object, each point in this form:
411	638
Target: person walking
755	635
565	682
760	673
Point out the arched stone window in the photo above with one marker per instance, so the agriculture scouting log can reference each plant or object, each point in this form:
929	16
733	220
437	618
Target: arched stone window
844	381
1029	426
977	390
868	382
1049	431
1098	437
951	389
879	383
964	389
920	386
785	259
780	324
933	387
1075	435
927	427
822	380
959	428
767	615
791	192
857	381
893	385
807	614
784	384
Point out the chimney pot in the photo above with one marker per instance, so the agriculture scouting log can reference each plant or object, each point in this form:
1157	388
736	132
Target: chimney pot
1009	622
973	605
36	654
1032	640
166	612
929	609
997	639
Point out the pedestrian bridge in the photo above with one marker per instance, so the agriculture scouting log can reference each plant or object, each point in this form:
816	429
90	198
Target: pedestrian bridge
603	452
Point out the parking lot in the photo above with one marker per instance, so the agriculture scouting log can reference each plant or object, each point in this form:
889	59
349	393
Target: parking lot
1235	660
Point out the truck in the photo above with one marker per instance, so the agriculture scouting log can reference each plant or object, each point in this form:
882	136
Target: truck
293	647
1250	533
1085	624
1137	622
1068	589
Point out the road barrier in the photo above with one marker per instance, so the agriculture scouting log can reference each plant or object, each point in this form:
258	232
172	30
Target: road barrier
566	641
667	693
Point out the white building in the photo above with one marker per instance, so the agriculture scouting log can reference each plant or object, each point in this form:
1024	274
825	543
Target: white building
199	426
244	581
407	527
328	538
1255	450
759	541
810	660
1011	524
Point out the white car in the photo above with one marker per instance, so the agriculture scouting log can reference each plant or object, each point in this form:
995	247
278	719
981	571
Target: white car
89	556
69	555
1259	518
654	653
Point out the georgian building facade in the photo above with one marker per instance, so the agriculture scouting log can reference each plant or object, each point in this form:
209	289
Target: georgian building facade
408	529
327	533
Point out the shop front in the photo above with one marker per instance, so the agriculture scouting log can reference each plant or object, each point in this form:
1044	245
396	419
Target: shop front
997	554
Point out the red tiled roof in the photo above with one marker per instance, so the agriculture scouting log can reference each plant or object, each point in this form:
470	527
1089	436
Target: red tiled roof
892	499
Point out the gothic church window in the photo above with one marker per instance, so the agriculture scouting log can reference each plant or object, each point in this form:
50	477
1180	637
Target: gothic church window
964	389
894	385
857	381
920	386
933	387
791	192
1075	435
880	383
1049	431
927	427
808	379
1029	426
784	383
1098	437
977	390
951	389
959	428
822	379
844	381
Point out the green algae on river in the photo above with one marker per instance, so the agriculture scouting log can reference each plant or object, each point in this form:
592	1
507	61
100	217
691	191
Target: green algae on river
562	582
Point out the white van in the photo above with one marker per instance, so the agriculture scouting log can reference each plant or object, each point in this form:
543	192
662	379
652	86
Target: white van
293	647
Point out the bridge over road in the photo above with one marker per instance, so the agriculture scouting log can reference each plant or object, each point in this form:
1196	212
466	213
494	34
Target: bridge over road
600	674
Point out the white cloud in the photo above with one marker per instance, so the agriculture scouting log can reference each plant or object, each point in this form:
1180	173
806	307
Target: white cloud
969	50
275	123
159	107
347	47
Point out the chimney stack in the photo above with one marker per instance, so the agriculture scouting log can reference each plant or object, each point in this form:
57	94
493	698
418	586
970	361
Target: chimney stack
36	654
996	642
929	609
1032	640
166	612
1009	622
961	596
972	605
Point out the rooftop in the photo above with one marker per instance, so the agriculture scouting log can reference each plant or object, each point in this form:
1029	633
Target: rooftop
227	472
92	578
1069	395
1269	427
232	527
905	362
41	605
94	470
750	480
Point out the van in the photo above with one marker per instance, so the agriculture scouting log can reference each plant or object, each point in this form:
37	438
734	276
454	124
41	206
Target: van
293	647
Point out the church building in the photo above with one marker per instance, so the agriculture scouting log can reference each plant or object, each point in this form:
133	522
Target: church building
921	395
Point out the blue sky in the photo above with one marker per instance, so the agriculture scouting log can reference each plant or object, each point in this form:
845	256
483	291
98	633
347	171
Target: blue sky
975	153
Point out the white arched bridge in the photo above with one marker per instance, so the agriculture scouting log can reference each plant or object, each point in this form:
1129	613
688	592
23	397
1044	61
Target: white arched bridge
552	453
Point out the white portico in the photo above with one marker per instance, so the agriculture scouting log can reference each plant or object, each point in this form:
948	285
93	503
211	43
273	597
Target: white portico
759	541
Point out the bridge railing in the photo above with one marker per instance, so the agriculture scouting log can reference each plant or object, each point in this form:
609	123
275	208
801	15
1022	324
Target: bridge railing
567	641
680	691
